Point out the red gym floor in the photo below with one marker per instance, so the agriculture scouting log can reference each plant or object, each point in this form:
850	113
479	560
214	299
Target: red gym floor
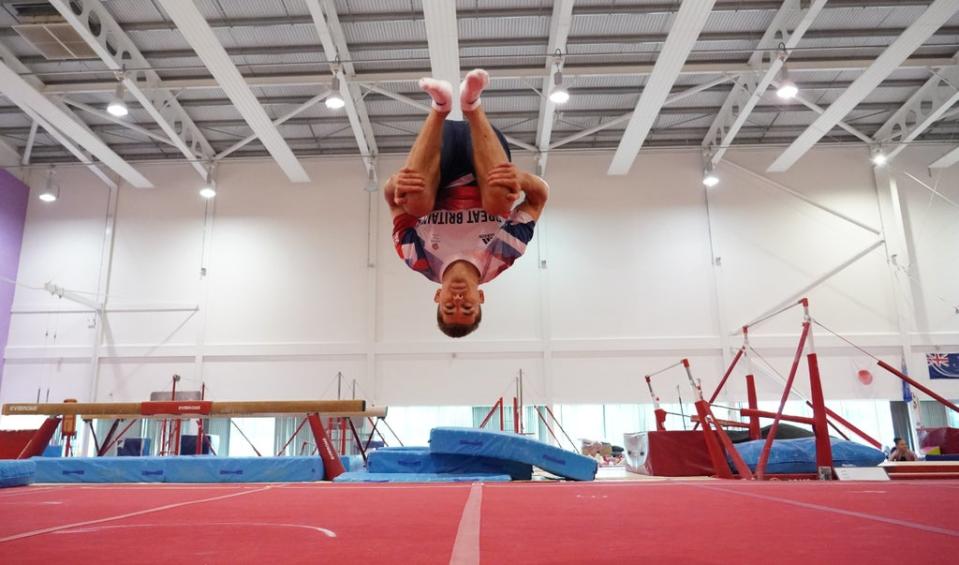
600	522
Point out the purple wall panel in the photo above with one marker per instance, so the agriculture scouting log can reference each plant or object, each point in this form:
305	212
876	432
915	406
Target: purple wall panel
13	214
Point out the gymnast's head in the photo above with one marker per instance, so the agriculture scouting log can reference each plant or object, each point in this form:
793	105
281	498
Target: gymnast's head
459	301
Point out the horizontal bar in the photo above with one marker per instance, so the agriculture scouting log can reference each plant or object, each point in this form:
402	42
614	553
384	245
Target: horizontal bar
772	415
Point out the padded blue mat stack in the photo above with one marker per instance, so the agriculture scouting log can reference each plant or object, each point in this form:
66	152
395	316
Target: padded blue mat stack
183	469
472	455
512	447
16	473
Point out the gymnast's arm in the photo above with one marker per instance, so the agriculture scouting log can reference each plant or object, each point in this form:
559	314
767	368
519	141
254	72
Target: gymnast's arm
537	193
502	178
403	192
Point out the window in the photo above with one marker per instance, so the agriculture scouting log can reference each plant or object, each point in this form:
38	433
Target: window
259	432
412	424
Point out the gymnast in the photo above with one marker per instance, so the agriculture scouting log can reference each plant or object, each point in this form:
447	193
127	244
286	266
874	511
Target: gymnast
455	218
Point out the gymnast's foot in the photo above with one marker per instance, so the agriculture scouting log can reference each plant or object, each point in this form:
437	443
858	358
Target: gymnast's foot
440	91
471	88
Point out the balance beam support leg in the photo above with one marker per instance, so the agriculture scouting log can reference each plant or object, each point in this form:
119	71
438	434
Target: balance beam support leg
332	465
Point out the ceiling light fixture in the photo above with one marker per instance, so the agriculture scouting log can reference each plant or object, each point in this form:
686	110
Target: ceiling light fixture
334	101
879	158
559	94
208	190
709	178
51	191
117	106
787	88
709	173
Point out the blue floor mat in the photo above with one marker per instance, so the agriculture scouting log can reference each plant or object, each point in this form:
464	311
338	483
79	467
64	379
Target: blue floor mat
182	469
422	460
365	477
16	473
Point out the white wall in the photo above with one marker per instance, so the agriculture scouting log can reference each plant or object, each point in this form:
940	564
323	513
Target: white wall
295	293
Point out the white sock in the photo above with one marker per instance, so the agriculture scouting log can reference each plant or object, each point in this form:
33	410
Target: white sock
471	88
440	91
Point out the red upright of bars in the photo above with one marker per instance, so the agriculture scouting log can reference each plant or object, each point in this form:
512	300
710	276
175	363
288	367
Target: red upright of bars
819	427
754	429
332	466
40	439
660	415
516	415
921	387
767	447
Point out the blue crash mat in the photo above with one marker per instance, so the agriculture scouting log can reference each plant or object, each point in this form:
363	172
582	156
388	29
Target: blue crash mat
352	462
512	447
16	473
422	460
182	469
799	455
365	477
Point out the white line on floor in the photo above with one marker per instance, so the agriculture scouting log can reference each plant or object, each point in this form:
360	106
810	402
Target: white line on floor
466	548
27	490
128	515
863	515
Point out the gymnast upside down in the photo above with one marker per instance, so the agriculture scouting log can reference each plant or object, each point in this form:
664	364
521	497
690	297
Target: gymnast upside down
455	218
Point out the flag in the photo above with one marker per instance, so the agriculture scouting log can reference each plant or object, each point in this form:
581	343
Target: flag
906	390
943	365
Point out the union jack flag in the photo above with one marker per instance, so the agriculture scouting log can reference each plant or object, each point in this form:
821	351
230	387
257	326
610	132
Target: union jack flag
943	365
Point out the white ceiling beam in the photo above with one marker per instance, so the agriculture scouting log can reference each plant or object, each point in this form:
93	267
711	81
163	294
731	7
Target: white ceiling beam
11	60
947	160
819	110
442	36
915	35
559	26
925	107
788	26
537	72
31	139
327	24
687	23
279	121
201	38
35	104
625	117
93	110
117	51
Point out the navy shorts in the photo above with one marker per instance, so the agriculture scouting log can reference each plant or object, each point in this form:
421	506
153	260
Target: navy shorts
456	154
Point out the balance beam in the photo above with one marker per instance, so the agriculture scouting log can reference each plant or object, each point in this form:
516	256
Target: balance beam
194	408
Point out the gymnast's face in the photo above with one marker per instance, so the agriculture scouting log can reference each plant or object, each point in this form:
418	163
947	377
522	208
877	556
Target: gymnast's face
459	301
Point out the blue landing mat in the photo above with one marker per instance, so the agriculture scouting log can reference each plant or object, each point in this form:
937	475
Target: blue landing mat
422	460
183	469
365	477
799	455
512	447
16	473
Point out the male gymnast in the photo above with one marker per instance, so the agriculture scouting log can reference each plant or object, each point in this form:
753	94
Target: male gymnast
454	219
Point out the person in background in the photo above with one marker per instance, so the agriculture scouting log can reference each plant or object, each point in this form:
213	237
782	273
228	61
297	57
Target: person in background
901	452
